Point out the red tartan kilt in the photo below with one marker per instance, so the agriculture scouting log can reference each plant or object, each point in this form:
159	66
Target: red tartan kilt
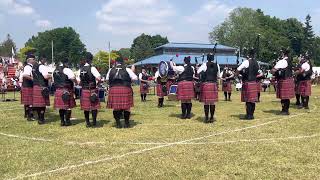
144	90
38	100
120	98
168	84
227	86
59	103
259	86
285	89
304	88
209	93
160	93
185	90
249	92
26	95
85	102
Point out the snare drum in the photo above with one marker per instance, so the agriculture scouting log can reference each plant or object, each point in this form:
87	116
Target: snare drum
173	93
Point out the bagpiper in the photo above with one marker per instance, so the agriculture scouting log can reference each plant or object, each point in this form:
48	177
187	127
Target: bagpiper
227	77
185	92
89	76
304	87
64	79
285	85
120	97
144	86
27	87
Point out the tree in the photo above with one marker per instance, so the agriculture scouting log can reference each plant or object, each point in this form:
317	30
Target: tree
308	35
24	51
6	47
143	46
101	60
66	41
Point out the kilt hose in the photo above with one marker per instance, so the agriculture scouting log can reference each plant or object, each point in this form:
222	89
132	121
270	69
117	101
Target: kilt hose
304	88
185	90
227	86
209	93
120	98
296	87
144	88
38	100
59	103
160	92
85	102
285	88
249	92
26	95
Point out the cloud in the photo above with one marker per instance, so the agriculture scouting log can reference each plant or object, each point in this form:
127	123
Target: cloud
22	8
43	23
16	7
315	15
134	17
211	13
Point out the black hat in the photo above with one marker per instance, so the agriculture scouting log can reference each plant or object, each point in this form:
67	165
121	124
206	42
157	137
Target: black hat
187	59
210	57
251	52
65	61
30	56
89	57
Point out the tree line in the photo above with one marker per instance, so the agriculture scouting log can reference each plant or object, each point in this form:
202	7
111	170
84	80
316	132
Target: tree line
243	25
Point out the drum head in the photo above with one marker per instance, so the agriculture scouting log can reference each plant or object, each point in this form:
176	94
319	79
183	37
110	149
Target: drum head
163	69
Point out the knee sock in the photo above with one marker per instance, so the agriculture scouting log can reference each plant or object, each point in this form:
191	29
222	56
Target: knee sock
206	111
127	119
229	96
94	117
116	115
86	116
225	95
61	114
212	111
68	116
298	99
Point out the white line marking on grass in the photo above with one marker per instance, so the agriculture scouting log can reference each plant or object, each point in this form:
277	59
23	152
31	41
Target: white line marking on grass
149	149
236	141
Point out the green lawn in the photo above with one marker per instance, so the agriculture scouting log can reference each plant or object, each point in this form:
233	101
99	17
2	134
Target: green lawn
162	146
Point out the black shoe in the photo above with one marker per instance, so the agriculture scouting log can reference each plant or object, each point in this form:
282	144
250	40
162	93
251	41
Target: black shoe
62	124
126	125
284	113
212	119
188	116
68	123
183	116
206	120
300	107
307	107
41	122
88	125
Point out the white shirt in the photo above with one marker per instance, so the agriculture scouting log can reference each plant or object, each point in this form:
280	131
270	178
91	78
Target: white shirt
245	64
180	69
132	75
203	68
282	64
140	76
305	66
44	70
94	71
27	70
156	75
68	72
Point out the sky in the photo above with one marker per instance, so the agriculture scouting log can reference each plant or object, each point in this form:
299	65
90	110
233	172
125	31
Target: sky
120	21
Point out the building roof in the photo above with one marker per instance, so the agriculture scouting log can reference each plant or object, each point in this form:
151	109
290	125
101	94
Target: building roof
232	60
194	46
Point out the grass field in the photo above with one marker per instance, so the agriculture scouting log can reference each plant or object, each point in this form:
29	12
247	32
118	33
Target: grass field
162	146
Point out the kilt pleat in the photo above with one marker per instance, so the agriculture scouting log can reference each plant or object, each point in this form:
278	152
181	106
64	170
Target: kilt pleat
26	95
285	89
227	86
209	93
249	92
38	100
59	103
144	88
304	88
185	90
120	98
85	102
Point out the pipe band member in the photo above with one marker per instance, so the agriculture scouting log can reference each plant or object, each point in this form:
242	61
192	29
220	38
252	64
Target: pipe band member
41	93
144	86
64	100
185	90
120	97
162	88
89	101
304	74
27	87
209	73
227	77
249	71
285	86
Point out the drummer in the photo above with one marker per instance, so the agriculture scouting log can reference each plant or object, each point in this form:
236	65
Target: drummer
162	89
185	86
